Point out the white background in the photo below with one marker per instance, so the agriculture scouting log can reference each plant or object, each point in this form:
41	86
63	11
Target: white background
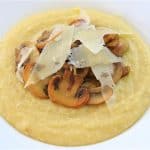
136	11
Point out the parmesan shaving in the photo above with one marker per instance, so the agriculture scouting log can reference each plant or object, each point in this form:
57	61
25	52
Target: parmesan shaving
103	74
82	57
52	57
90	38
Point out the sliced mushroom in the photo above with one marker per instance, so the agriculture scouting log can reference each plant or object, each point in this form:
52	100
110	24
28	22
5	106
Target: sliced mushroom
17	56
108	38
41	45
42	40
75	44
77	22
39	89
45	38
117	72
121	48
92	85
65	90
26	44
101	97
25	53
21	51
98	94
81	72
118	45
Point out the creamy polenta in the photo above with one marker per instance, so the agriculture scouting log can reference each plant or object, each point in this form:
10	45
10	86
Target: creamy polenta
54	124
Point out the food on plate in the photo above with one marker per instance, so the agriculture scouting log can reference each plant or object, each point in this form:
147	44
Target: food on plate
73	73
40	88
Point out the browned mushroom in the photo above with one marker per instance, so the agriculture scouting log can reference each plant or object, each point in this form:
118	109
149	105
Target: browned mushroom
17	56
76	71
118	45
40	88
117	72
18	53
44	39
65	90
75	44
102	96
77	22
108	38
95	91
98	94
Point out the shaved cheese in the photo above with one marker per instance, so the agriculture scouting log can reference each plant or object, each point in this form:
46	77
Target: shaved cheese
24	55
82	57
89	38
103	74
52	57
92	37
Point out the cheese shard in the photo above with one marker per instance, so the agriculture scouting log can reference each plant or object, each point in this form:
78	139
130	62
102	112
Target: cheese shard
103	73
90	38
82	57
52	57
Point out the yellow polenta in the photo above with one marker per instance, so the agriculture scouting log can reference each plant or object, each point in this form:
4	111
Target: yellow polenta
55	124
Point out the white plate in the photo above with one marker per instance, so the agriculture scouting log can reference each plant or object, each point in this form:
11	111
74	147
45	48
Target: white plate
137	12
